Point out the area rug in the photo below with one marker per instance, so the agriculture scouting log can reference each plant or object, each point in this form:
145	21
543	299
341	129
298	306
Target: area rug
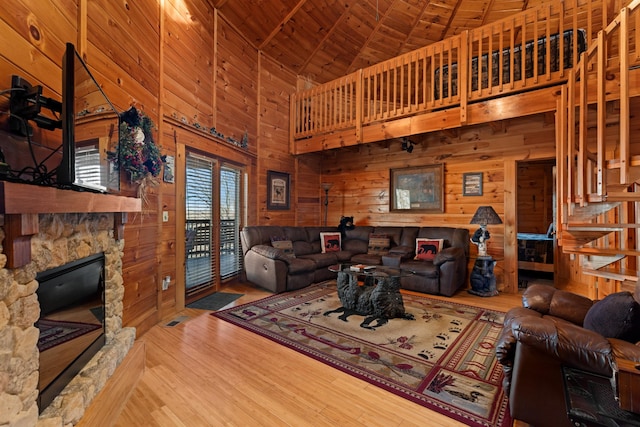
444	359
214	301
54	332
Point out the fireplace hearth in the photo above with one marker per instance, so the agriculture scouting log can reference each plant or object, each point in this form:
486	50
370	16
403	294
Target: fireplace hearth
41	230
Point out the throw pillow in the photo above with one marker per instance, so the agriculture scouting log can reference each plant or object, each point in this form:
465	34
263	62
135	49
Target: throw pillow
285	245
615	316
379	244
330	241
426	248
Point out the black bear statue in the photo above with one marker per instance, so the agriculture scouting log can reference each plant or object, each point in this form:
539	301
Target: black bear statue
346	223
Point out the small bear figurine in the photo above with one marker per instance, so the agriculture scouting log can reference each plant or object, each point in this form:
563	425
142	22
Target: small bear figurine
346	223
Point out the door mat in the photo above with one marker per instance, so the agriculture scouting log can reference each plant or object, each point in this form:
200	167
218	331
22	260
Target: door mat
444	359
215	301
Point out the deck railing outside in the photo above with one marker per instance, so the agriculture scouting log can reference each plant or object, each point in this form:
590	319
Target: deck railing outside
525	51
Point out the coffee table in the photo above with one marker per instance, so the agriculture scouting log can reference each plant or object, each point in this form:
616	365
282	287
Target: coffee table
377	297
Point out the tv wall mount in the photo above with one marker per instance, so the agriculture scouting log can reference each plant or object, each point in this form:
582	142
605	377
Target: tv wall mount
26	104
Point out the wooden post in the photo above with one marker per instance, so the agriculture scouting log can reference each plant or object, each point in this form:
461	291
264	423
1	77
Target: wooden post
359	106
510	227
601	114
463	81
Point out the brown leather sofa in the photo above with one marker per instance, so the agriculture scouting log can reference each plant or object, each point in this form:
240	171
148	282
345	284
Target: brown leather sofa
274	270
542	336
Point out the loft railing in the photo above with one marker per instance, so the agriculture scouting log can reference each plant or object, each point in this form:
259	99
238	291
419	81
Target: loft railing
531	49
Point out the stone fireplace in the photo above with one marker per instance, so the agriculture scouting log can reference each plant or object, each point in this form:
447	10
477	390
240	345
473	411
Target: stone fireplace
59	238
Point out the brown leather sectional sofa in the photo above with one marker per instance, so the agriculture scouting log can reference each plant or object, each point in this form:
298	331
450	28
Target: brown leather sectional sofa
274	270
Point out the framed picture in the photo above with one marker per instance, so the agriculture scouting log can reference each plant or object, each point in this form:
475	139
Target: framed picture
472	184
277	190
417	189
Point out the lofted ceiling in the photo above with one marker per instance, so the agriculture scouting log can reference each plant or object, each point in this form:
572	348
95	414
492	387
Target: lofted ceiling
325	39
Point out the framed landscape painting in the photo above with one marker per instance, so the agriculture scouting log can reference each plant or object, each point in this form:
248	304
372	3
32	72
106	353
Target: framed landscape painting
417	189
277	190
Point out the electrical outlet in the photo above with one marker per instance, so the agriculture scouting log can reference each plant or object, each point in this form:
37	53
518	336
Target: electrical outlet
165	216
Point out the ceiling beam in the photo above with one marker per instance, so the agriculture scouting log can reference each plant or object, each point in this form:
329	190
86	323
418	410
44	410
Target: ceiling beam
414	24
281	25
371	34
343	16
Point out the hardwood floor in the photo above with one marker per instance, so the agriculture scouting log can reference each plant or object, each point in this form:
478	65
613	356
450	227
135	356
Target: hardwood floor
207	372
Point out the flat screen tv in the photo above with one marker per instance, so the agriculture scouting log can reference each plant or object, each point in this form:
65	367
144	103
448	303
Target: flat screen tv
90	126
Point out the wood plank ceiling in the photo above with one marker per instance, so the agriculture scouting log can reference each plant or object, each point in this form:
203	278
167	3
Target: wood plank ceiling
325	39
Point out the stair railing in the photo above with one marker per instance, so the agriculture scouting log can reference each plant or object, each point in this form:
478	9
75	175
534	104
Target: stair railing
598	201
594	139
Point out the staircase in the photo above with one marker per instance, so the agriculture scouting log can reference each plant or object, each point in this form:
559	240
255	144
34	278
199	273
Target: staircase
598	157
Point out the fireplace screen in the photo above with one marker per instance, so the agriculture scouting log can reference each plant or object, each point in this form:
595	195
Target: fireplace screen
71	322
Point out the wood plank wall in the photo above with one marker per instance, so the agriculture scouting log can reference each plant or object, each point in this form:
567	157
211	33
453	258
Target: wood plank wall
197	78
361	176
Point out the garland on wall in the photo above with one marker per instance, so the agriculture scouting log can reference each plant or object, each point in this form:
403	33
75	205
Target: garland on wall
137	153
243	143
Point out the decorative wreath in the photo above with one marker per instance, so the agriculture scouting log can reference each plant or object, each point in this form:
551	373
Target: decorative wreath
137	153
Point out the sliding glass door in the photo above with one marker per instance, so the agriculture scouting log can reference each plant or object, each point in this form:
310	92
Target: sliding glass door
230	195
213	213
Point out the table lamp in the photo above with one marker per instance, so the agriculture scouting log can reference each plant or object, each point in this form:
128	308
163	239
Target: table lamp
483	216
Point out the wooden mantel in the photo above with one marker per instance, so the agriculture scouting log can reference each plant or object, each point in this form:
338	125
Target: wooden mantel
21	203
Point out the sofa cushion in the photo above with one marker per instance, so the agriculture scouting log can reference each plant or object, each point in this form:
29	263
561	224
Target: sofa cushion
378	244
331	241
300	266
343	256
404	252
285	245
270	252
301	247
615	316
426	248
420	268
322	260
408	237
355	246
359	233
393	233
367	259
296	234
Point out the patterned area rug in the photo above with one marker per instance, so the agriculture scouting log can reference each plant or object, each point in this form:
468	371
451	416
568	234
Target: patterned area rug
54	332
444	359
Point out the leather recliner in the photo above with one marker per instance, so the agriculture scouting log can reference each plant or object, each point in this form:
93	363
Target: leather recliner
542	336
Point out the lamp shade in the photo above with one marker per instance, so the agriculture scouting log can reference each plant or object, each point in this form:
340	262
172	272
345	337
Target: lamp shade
485	215
326	186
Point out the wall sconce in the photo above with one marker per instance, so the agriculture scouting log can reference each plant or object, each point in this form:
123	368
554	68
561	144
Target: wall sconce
326	186
483	216
407	145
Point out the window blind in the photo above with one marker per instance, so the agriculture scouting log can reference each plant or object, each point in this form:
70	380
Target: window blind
200	256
